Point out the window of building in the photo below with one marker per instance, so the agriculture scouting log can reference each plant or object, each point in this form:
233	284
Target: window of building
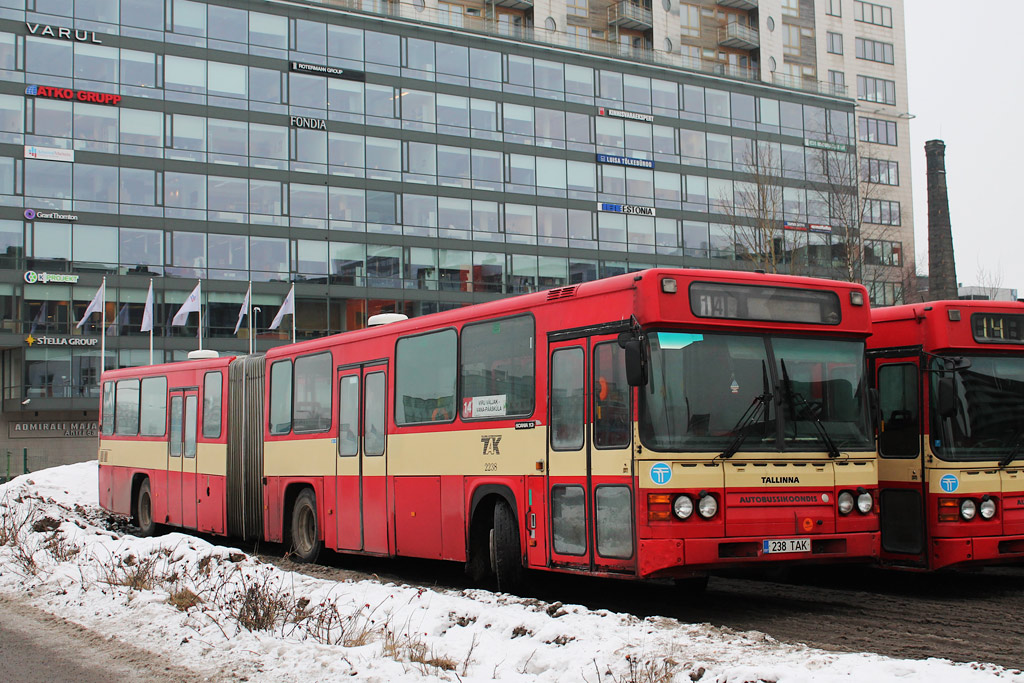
874	51
837	79
884	293
834	8
576	8
880	171
153	417
882	212
450	14
212	383
425	376
876	130
870	13
791	8
835	42
883	253
281	397
689	21
878	90
791	40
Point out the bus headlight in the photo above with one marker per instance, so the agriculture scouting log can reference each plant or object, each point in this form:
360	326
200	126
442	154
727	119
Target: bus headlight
987	509
707	506
682	507
865	502
968	509
845	502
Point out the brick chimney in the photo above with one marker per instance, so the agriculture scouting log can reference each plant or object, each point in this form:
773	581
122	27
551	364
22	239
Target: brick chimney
941	265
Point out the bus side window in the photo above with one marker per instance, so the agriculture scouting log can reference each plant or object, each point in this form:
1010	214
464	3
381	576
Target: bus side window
898	434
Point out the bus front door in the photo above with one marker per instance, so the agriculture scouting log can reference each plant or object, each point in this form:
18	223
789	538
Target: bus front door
589	463
901	471
361	481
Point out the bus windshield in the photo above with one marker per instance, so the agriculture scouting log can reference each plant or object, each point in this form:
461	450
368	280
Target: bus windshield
989	417
701	386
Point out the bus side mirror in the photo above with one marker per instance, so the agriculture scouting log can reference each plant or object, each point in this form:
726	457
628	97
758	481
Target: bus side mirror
634	363
947	398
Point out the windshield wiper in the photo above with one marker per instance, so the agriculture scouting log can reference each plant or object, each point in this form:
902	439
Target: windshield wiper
1015	451
740	430
794	398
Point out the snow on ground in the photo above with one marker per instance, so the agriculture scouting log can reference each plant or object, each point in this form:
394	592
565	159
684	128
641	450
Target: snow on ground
223	613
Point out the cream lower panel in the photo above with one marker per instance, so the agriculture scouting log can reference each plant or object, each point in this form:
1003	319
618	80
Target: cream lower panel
968	481
860	470
685	474
212	459
149	455
781	475
300	458
482	451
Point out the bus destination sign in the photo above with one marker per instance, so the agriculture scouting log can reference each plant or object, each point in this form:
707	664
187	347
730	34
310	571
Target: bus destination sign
998	328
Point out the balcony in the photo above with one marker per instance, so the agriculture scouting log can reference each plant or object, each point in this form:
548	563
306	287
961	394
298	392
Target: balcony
625	14
809	84
515	4
739	4
739	36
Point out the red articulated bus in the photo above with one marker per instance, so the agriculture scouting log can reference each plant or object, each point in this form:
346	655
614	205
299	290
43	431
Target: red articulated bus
950	380
652	425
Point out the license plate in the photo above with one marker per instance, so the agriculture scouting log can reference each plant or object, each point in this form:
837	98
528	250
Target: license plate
786	545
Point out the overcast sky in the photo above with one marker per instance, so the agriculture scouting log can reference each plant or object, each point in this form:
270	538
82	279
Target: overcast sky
966	81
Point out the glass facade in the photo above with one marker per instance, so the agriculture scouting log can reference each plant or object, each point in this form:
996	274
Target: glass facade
380	166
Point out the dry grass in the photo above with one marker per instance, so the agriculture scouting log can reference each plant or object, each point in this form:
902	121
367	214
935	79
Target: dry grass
132	572
183	599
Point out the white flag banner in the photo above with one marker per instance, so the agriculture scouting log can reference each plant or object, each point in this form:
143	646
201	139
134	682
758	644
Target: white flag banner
147	314
244	309
287	307
95	306
191	305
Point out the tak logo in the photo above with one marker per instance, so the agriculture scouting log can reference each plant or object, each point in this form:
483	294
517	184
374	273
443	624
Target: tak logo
490	444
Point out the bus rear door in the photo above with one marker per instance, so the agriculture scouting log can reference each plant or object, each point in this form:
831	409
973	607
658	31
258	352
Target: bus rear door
900	464
589	462
361	482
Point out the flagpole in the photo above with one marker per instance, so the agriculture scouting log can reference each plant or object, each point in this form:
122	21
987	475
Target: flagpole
252	342
150	328
293	313
103	329
199	303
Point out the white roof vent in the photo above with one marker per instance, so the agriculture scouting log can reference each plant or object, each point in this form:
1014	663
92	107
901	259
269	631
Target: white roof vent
202	354
385	318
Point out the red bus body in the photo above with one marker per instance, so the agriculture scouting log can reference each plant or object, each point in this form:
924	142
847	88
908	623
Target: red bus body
929	465
605	507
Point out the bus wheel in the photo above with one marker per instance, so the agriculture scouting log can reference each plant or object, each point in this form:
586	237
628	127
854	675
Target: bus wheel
144	511
506	555
305	534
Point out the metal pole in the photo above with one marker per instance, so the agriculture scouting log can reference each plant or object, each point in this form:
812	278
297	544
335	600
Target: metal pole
8	465
151	324
103	333
249	315
24	460
200	302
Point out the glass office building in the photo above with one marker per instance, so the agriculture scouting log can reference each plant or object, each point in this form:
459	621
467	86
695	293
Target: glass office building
380	162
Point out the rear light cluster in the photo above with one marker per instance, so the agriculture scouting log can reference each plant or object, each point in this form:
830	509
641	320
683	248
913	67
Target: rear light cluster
951	509
860	499
662	507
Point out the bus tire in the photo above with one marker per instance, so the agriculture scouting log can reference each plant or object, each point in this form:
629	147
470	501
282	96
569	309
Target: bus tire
305	529
506	554
143	513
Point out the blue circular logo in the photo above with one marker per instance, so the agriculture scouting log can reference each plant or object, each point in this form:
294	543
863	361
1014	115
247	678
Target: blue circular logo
949	483
660	473
30	214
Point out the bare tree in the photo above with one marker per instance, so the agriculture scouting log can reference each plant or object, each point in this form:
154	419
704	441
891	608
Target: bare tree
848	189
990	281
755	211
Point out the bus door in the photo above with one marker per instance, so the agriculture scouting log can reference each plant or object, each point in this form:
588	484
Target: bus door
901	470
181	458
361	482
589	464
